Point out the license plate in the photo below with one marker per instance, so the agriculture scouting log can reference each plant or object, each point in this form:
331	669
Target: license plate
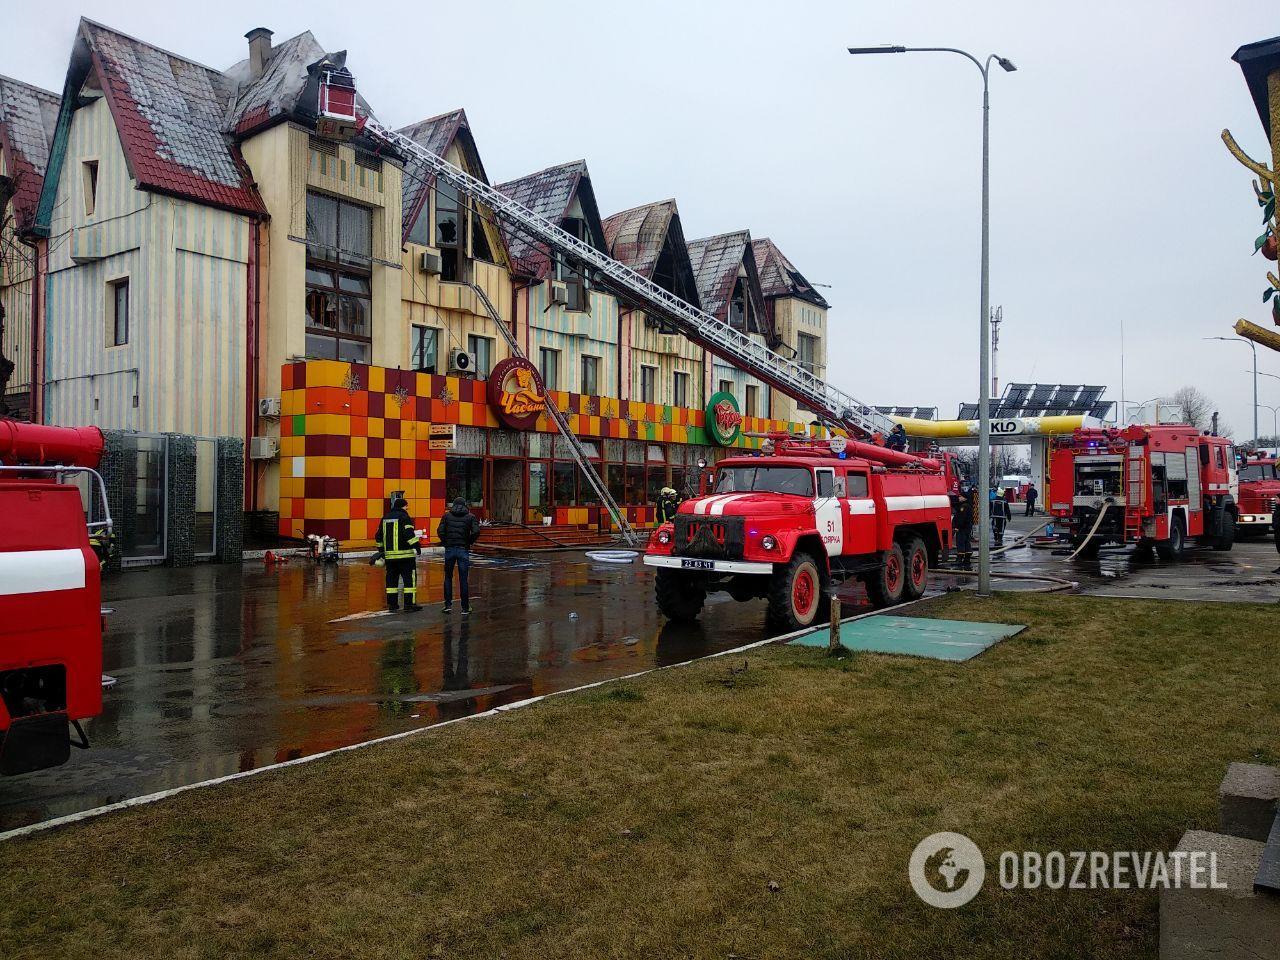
698	564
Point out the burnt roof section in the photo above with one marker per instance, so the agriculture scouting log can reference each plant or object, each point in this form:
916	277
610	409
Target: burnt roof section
28	116
648	236
716	262
1257	61
550	193
436	134
780	278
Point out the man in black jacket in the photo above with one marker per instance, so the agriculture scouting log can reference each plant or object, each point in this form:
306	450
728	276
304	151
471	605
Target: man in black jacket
457	531
398	541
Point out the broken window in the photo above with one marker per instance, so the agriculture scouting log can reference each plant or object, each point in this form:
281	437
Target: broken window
450	233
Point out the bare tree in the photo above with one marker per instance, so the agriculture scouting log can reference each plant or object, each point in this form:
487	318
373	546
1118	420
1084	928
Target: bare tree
1196	405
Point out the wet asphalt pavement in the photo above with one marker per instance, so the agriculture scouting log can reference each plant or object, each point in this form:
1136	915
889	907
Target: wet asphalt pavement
221	669
226	668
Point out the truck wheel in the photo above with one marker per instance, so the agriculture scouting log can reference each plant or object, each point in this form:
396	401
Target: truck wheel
1226	540
680	597
1171	549
885	586
796	593
916	565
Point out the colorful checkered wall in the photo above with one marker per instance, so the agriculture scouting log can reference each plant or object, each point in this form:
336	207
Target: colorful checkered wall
350	434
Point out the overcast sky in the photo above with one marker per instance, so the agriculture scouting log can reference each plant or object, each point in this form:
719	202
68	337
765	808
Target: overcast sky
1112	194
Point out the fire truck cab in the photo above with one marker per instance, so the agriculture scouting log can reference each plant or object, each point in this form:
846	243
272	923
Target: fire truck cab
788	523
1153	486
50	593
1259	489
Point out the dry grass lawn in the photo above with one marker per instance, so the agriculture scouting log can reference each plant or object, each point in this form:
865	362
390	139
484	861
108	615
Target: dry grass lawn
647	819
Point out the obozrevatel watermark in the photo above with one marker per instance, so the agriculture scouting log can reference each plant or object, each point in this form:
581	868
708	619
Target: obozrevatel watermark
947	870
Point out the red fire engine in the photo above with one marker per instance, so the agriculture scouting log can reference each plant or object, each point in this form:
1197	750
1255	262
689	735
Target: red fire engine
1259	489
50	593
1153	486
787	524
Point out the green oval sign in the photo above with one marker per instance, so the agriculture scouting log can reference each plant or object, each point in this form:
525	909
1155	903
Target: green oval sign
724	419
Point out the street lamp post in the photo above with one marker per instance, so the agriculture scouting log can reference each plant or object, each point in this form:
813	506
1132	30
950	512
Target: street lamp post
984	387
1254	347
1275	421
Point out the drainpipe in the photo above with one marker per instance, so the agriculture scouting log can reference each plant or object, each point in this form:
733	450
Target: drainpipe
37	405
252	315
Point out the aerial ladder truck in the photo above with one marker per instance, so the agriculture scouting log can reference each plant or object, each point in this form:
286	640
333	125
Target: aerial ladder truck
832	406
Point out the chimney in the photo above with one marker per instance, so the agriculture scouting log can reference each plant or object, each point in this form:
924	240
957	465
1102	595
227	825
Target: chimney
259	50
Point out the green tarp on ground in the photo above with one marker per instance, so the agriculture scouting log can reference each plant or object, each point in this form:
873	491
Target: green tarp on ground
915	636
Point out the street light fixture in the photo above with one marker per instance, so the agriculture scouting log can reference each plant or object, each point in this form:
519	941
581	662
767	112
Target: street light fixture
984	386
1254	347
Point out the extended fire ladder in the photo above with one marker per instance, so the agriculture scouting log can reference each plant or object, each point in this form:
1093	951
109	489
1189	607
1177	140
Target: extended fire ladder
832	405
558	418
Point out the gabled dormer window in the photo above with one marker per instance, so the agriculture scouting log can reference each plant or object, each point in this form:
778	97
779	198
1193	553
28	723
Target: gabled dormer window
738	304
450	234
572	279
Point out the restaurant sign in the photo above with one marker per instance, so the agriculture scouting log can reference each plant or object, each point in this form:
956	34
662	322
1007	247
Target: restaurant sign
516	393
724	420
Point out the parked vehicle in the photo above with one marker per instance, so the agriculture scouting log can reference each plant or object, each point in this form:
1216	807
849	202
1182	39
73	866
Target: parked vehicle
1154	486
804	515
50	593
1259	489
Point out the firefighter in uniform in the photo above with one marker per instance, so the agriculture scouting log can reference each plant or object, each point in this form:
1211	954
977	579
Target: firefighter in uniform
398	541
668	505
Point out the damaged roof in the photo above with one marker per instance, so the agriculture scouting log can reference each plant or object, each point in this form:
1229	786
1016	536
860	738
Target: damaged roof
638	238
780	278
436	134
716	262
28	116
169	112
180	122
274	94
550	193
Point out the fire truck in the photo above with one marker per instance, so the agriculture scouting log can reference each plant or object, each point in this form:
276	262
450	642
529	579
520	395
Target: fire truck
1153	486
1259	489
789	523
50	592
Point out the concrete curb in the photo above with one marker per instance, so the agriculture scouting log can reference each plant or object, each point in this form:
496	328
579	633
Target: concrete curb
496	711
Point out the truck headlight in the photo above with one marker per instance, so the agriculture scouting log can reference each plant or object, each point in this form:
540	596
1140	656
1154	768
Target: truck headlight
769	543
664	536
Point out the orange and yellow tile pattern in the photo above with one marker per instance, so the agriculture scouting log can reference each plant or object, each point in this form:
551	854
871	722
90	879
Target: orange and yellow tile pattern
350	434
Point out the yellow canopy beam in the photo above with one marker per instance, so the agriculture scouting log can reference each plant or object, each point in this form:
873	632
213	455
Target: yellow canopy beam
1000	426
1251	331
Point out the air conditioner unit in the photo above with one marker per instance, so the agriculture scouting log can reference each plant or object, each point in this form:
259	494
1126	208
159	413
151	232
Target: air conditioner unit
559	292
431	263
462	362
269	407
264	448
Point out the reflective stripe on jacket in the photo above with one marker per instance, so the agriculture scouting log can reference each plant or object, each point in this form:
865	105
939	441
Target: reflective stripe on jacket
396	536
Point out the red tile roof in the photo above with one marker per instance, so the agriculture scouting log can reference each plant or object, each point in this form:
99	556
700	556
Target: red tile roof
169	112
28	116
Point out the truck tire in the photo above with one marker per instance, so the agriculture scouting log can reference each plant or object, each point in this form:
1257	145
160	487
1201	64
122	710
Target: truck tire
680	597
1171	549
916	567
885	585
796	593
1226	539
